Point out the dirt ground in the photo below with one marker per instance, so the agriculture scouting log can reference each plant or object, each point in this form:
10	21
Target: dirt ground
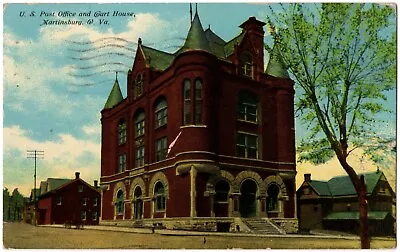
21	236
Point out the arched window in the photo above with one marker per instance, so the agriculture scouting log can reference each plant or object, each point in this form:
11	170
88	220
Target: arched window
121	132
159	194
187	103
161	113
138	203
272	200
221	191
198	104
139	85
247	106
246	64
139	123
119	204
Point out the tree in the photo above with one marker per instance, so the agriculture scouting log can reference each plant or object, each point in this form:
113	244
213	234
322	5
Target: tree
342	58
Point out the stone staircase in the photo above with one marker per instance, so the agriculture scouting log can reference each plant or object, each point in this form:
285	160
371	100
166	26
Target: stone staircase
262	226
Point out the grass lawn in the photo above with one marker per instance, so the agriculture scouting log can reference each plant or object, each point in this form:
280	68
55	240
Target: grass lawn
21	235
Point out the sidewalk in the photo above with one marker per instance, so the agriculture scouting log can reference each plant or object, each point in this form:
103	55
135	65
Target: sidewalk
195	233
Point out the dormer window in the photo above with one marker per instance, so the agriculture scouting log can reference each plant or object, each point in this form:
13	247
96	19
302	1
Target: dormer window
139	85
246	64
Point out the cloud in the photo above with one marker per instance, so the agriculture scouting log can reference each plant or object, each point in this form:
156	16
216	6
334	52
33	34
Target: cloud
61	158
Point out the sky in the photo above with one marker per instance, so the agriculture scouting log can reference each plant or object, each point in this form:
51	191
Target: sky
56	79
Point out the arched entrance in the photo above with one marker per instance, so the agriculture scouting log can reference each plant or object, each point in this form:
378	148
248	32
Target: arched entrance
272	199
138	203
247	200
221	199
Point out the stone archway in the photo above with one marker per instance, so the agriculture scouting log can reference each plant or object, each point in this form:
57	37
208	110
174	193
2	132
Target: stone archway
137	192
219	207
158	177
120	186
276	195
250	189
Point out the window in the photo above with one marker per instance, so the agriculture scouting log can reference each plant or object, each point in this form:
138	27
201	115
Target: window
121	163
272	199
139	85
246	64
94	216
139	123
161	112
161	149
198	95
83	215
59	201
80	188
247	145
187	102
95	201
139	156
221	191
84	201
159	194
122	132
247	107
119	204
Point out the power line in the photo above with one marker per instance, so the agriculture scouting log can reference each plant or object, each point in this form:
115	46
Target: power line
35	154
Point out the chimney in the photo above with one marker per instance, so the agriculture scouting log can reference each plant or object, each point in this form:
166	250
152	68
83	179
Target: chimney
307	177
95	184
77	175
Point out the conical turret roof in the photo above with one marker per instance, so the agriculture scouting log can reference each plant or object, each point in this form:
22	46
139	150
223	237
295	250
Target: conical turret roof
275	66
196	38
115	96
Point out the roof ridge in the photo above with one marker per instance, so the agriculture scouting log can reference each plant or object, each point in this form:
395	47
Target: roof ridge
151	48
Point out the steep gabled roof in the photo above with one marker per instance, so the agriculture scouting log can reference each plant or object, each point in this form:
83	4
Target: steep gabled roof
157	59
216	43
54	183
276	66
320	187
230	45
115	96
342	185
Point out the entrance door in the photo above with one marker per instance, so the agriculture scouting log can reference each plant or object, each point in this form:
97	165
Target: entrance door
247	200
138	205
221	199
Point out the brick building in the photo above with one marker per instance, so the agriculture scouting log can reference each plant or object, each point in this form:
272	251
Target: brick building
334	205
204	138
68	201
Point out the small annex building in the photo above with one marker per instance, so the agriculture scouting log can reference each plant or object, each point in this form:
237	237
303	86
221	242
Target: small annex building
70	201
333	204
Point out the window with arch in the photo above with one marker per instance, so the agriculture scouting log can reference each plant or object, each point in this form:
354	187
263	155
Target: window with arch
139	123
161	113
159	194
121	163
198	104
247	145
139	85
119	204
247	107
187	102
272	199
221	191
121	132
246	64
138	203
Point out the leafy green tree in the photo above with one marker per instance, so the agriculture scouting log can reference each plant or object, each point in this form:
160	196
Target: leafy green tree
342	58
6	204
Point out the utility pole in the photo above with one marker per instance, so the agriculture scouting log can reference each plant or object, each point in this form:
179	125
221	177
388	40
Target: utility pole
35	154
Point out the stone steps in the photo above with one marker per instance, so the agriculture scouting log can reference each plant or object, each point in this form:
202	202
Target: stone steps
262	226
